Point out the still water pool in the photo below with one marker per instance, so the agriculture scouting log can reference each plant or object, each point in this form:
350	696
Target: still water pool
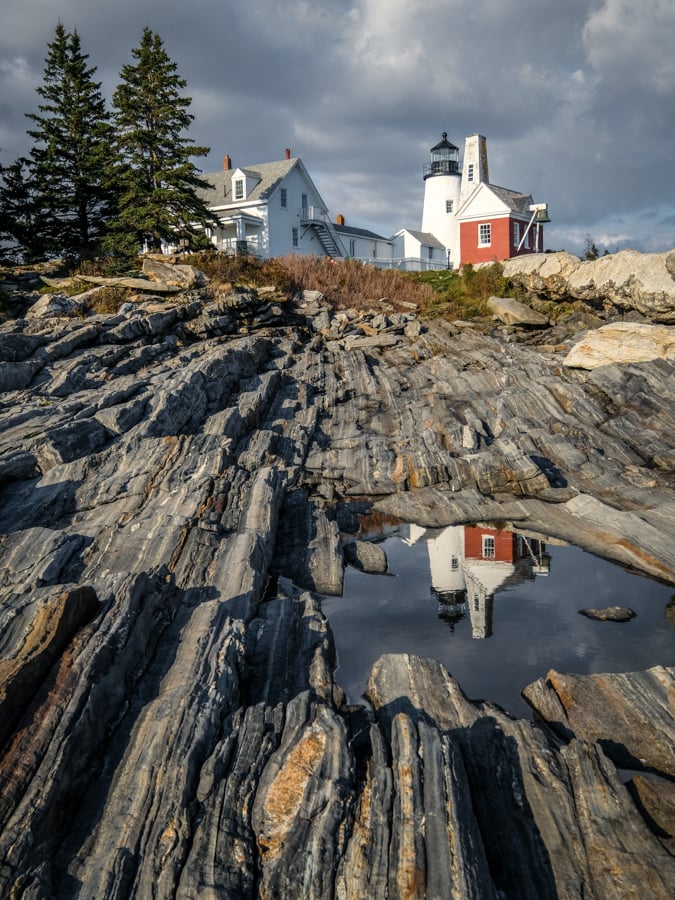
498	611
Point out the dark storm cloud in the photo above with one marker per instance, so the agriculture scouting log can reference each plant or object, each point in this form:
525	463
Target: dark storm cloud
575	98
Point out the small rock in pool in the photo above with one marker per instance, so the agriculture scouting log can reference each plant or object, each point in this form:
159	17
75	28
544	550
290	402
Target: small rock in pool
609	614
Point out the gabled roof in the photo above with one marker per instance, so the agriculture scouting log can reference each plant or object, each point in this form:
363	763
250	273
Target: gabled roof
270	174
514	201
424	237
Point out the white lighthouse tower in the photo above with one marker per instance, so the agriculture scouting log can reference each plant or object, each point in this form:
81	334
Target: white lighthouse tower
442	183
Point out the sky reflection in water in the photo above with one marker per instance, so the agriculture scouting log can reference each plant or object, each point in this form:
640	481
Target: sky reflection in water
530	621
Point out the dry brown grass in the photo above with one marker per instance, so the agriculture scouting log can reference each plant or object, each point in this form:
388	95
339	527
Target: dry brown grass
344	283
348	283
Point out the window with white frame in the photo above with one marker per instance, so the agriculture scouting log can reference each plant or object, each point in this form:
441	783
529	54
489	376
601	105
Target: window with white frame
488	546
352	247
283	195
430	252
484	234
295	237
448	206
516	233
239	189
454	563
469	172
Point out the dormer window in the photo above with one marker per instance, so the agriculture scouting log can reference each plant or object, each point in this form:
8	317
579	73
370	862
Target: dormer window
239	189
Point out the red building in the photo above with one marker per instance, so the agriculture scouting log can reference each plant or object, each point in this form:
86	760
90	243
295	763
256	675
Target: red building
474	220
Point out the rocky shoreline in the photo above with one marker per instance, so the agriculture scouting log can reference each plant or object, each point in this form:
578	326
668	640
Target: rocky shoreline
179	479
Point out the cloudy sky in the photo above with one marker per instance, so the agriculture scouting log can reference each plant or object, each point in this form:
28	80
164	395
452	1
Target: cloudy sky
576	97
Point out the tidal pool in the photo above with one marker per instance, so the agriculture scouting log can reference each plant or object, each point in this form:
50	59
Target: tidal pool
498	610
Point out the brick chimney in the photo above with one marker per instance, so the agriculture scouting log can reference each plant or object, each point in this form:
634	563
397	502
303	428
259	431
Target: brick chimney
288	152
340	220
227	162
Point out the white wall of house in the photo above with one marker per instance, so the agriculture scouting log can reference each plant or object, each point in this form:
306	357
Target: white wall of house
413	253
483	204
282	220
364	248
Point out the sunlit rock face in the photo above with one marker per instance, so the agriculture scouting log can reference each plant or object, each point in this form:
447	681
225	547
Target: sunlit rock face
627	280
177	483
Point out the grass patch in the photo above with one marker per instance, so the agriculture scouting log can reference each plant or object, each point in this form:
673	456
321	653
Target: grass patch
463	293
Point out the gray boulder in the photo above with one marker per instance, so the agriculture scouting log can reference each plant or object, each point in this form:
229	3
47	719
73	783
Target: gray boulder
512	312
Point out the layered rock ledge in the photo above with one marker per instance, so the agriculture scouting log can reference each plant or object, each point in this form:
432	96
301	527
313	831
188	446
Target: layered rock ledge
178	484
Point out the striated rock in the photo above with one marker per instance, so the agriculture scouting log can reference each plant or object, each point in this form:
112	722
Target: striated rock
622	342
655	798
629	715
511	806
53	306
175	479
136	284
512	312
627	280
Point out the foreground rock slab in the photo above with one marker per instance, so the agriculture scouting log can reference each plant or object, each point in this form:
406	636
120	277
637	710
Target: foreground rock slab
178	483
630	715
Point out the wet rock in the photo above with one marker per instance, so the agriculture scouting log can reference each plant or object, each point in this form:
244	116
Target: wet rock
609	614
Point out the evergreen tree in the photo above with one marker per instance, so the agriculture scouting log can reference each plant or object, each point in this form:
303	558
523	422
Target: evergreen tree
71	153
20	234
157	182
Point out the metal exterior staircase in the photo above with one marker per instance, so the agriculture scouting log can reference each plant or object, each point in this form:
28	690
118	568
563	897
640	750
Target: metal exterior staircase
317	219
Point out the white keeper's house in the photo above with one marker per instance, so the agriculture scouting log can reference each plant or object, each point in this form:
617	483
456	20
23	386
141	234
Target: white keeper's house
274	208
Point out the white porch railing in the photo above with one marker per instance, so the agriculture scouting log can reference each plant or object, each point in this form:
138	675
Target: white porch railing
314	214
234	247
407	263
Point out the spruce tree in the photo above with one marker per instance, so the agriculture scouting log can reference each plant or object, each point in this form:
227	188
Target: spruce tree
158	183
71	154
20	233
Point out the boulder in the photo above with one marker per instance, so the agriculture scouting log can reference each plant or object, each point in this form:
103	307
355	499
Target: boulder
53	306
622	342
609	614
181	276
627	279
367	556
512	312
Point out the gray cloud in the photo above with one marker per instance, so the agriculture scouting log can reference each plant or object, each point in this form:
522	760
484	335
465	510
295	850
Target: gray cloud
575	99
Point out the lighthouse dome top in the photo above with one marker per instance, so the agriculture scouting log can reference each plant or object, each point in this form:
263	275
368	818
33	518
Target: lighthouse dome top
444	159
444	144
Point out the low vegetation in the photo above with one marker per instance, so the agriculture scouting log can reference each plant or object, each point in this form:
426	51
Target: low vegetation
447	293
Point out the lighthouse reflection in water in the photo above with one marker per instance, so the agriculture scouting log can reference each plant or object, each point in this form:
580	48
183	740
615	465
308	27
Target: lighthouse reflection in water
471	563
497	609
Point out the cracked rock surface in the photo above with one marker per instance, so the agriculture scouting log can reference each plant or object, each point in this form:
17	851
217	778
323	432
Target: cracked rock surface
176	482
